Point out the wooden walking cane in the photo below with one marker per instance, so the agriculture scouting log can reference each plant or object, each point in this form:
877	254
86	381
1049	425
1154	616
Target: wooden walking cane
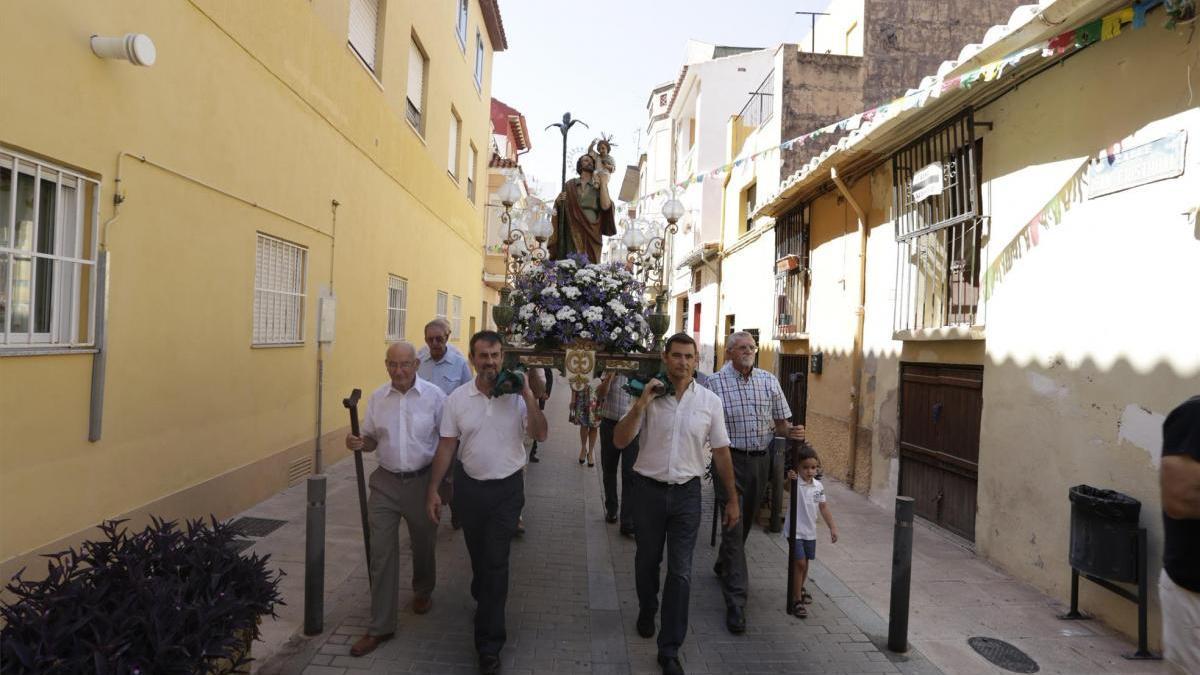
352	405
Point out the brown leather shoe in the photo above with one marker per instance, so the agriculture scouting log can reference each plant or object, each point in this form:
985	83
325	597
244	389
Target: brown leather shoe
368	643
422	605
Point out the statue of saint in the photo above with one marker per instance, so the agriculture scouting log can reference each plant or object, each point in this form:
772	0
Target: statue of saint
583	211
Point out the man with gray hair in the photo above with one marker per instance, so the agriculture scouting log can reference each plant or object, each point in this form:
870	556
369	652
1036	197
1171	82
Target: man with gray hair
755	411
401	424
444	366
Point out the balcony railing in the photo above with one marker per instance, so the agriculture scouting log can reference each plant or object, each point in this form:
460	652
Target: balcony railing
791	291
762	101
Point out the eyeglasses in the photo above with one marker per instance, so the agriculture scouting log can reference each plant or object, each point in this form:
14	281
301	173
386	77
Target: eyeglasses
396	365
744	348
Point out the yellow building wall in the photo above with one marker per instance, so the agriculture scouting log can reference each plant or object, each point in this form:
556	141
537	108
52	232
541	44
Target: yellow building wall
252	108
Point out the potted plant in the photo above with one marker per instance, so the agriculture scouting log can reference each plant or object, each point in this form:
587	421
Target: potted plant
167	599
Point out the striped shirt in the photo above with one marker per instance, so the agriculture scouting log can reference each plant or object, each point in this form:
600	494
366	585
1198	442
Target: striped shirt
618	401
751	404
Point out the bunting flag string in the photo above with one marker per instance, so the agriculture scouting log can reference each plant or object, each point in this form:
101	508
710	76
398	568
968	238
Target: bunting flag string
1105	28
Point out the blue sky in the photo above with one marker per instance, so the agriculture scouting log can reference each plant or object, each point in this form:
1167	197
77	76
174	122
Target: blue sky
599	61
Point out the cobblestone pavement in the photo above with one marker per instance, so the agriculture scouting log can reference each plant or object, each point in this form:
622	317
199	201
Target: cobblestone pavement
572	603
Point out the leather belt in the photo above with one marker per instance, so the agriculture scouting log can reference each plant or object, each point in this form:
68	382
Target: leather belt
752	453
410	474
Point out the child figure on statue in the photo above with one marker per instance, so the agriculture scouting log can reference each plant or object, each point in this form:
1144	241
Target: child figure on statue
810	499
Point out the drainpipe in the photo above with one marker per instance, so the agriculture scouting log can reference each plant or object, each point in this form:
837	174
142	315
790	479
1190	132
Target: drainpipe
856	356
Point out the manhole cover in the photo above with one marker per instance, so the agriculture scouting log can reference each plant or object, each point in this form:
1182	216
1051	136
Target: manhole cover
255	527
1003	655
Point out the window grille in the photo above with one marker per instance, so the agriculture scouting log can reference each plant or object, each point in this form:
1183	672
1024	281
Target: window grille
418	68
443	299
938	227
279	283
478	61
791	272
460	29
48	253
364	28
397	307
456	315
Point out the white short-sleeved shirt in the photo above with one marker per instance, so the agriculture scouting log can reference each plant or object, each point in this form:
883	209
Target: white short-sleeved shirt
674	434
405	426
490	431
808	502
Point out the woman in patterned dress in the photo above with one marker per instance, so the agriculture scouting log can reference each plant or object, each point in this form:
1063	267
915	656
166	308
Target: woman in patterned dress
584	415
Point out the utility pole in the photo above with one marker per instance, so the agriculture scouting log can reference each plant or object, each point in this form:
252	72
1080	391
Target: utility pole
812	32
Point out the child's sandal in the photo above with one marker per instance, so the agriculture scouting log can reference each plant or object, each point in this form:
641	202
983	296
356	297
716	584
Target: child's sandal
805	597
798	610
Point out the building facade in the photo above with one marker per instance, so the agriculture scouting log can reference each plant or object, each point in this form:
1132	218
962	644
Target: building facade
993	280
201	258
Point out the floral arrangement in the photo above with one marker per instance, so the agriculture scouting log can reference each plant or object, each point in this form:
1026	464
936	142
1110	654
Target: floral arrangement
572	300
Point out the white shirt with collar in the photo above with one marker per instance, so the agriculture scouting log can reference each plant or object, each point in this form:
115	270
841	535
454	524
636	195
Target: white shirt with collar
490	431
450	373
405	426
674	434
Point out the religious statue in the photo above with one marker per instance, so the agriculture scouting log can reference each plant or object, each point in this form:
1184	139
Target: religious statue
583	211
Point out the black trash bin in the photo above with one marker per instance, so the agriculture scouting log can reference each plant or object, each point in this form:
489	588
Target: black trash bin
1104	533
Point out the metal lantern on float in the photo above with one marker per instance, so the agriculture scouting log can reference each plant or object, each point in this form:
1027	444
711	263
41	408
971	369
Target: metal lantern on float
540	226
673	210
509	193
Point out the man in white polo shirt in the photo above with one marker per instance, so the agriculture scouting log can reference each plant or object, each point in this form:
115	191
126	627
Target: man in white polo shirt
674	430
401	424
489	490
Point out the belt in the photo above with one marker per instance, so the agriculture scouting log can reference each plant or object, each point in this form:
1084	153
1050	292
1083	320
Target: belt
665	485
410	474
751	453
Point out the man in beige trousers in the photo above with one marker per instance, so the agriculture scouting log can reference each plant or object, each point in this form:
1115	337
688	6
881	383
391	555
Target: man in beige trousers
401	424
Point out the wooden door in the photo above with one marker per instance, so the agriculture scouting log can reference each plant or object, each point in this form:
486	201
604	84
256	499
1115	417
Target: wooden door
940	408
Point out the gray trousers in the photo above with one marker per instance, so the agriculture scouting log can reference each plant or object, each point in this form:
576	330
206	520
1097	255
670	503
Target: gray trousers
750	475
393	498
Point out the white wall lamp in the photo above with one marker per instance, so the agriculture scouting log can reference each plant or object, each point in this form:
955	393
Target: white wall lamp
136	48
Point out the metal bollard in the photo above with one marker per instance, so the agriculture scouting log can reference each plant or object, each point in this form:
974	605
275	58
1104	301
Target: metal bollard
901	576
314	557
778	461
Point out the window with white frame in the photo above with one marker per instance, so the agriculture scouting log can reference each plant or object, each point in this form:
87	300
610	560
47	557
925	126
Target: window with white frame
456	315
280	272
460	28
443	299
478	60
418	71
364	31
397	307
48	252
472	160
455	143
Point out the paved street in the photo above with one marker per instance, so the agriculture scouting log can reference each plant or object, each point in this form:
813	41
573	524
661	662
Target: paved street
572	603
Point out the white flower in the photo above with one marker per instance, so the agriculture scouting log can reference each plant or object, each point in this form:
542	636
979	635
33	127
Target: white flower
593	313
615	334
566	314
571	292
527	311
547	320
566	262
617	308
633	335
585	334
578	325
550	290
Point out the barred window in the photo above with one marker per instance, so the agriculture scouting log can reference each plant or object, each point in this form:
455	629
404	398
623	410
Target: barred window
397	307
443	299
791	272
48	253
456	315
279	282
937	183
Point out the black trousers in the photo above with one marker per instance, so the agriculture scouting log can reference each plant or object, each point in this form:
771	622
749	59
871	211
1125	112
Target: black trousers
670	515
612	458
750	473
488	510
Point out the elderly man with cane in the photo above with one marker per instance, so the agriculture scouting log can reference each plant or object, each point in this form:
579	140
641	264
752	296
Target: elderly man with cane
755	411
401	424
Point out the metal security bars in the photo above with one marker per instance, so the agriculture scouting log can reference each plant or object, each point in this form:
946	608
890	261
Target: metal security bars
48	253
791	272
762	101
397	307
937	186
279	282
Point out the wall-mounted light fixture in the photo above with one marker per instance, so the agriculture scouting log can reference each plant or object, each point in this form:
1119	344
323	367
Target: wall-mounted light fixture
136	48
